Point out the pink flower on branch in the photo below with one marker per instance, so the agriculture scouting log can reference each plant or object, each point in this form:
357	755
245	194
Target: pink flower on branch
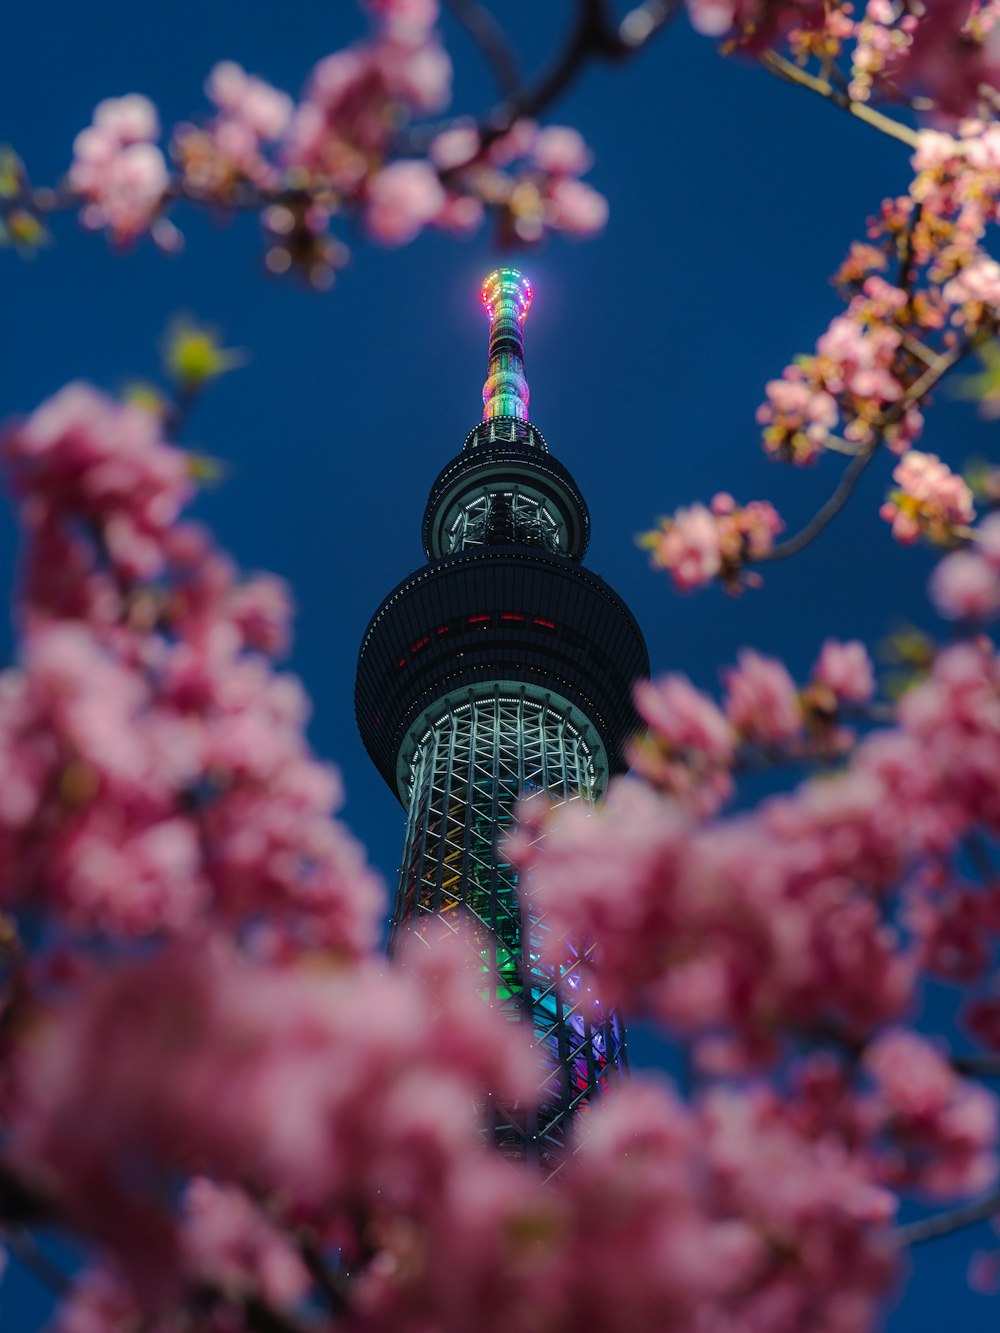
931	500
762	702
942	1129
846	670
158	771
118	169
690	746
698	544
335	1092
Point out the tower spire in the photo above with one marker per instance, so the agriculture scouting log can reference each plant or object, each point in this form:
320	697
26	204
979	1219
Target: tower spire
507	297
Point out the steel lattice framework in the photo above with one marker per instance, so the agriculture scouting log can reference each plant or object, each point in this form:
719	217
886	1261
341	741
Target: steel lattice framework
468	771
499	669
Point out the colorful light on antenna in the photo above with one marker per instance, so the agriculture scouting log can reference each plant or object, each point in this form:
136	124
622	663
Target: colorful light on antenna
506	297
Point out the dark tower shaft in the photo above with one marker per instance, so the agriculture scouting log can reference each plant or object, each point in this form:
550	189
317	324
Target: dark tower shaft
500	668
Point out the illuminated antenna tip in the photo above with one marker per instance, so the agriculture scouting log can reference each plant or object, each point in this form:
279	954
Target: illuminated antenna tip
506	296
506	287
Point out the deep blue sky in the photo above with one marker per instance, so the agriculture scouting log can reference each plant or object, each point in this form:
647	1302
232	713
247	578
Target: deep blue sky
733	198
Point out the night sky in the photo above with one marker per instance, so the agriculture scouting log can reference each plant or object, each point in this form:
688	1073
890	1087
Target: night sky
733	198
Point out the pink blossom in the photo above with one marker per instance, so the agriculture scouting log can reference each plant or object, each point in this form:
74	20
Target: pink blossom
762	702
249	100
689	748
316	1087
689	547
798	418
977	285
965	586
560	151
228	1241
342	128
118	169
157	772
105	462
100	1302
931	499
987	538
713	18
455	147
402	199
698	543
846	669
574	207
943	1127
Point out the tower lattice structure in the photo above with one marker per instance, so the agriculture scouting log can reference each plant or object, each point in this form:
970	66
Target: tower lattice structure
500	668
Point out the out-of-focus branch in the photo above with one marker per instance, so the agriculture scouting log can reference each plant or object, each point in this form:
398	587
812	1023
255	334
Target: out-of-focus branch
943	1224
791	73
976	1066
491	40
595	35
23	1247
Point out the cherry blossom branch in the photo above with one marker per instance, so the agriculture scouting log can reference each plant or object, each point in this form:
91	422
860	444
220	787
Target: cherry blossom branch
852	474
594	35
784	69
943	1224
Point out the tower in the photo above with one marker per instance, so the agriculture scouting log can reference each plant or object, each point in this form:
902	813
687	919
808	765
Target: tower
502	667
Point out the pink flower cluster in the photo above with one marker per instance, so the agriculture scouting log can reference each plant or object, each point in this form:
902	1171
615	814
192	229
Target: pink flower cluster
853	375
759	925
346	118
725	1215
119	170
530	175
942	54
338	1093
931	501
966	584
699	544
375	1161
156	768
229	150
692	745
338	150
941	1128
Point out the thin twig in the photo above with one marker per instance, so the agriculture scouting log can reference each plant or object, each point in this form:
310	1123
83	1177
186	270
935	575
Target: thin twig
976	1066
785	69
23	1246
827	512
943	1224
492	42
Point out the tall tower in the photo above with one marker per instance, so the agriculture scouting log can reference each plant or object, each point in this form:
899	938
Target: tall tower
502	667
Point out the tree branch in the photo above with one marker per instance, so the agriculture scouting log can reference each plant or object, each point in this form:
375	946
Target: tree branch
785	69
943	1224
24	1248
827	512
492	42
976	1066
919	389
593	36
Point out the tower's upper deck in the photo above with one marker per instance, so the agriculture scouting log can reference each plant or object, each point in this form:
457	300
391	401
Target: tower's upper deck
504	597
